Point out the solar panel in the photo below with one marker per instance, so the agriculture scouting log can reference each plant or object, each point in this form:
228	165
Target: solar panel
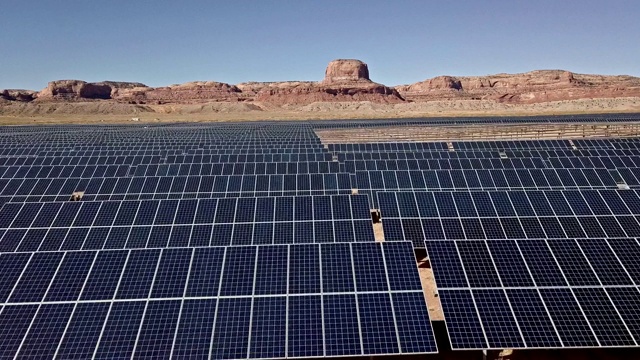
177	223
536	293
372	182
271	301
531	214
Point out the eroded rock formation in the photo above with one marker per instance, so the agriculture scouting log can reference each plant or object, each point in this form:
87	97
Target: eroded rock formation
346	71
532	87
78	90
187	93
18	95
345	80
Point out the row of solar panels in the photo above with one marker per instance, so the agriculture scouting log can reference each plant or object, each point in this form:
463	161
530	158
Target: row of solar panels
582	144
185	211
143	145
590	162
437	164
158	159
279	141
159	185
60	276
451	204
351	166
491	179
172	236
543	293
202	169
103	183
237	302
276	185
539	214
190	149
515	318
608	118
317	167
207	150
543	154
11	150
515	179
171	137
124	144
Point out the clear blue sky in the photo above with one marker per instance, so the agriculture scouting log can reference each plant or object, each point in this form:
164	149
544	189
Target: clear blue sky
165	42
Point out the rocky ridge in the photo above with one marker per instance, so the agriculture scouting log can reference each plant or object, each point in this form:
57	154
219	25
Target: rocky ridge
345	81
526	88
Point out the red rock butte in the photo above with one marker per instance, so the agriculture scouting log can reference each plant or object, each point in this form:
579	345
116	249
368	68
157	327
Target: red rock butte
346	70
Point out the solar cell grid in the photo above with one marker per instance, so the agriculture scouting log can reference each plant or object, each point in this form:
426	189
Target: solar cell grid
532	214
443	164
196	222
559	279
372	182
248	317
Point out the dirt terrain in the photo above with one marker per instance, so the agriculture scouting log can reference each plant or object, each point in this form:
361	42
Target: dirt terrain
16	113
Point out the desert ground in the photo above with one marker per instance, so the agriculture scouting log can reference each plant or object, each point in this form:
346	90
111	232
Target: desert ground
108	112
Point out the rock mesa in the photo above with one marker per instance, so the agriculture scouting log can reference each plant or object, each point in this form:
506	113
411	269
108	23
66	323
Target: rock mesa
78	90
345	80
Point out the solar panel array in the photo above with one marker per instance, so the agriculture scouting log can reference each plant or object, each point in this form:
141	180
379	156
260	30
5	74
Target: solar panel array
174	223
542	214
226	241
271	301
490	165
579	119
541	254
255	241
173	187
546	293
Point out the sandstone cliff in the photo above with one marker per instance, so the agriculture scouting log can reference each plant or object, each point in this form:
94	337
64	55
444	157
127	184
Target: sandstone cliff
187	93
18	95
78	90
531	87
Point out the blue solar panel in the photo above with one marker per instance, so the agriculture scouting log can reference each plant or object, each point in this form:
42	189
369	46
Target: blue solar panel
13	327
181	223
268	328
533	320
341	327
83	331
156	334
456	215
193	335
463	325
500	327
573	328
306	336
247	301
